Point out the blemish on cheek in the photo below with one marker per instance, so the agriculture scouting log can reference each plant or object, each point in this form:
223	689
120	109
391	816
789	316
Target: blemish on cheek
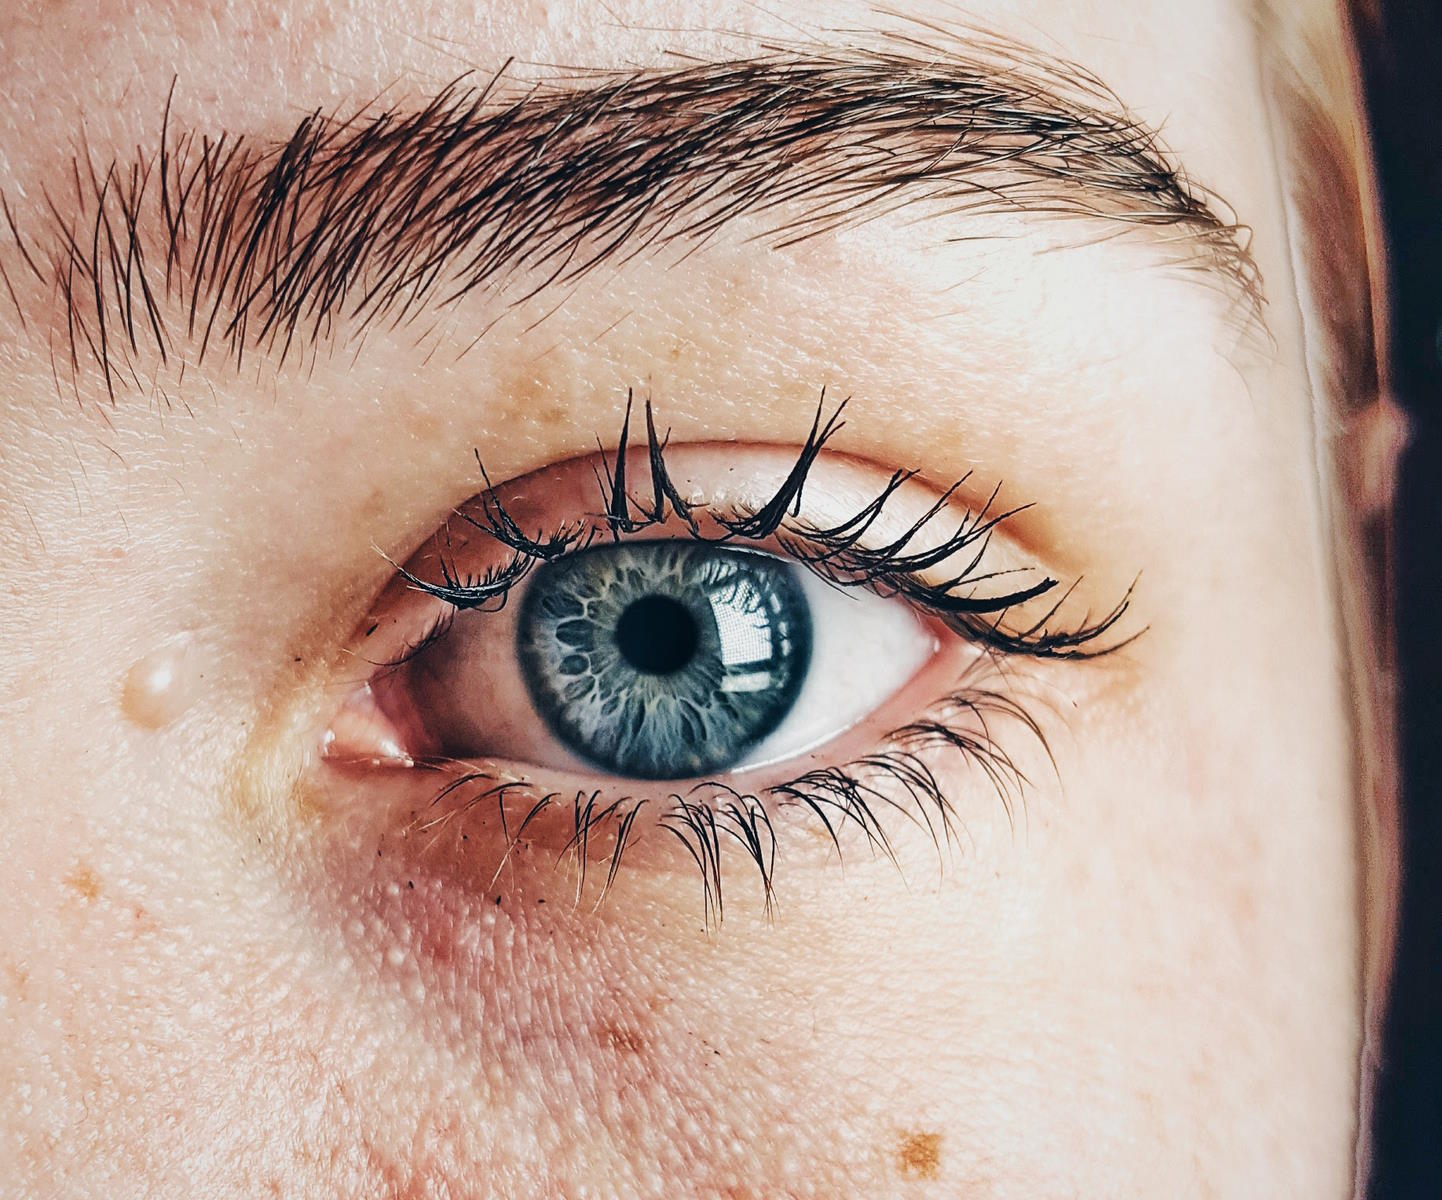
918	1155
163	685
83	883
19	979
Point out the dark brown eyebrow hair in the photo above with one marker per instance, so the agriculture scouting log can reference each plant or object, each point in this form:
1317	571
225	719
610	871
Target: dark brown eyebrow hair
204	242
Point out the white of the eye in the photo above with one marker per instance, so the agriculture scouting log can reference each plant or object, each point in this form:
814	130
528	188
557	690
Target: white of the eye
864	648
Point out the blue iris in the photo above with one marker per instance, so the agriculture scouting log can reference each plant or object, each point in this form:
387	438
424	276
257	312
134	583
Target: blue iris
664	660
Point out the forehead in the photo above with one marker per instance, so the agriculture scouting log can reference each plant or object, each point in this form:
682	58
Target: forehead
1192	70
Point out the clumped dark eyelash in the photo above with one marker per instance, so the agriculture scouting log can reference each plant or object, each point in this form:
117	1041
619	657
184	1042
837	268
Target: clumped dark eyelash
712	814
836	553
435	631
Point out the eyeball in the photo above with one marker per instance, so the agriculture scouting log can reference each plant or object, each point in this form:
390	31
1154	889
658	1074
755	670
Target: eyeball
659	660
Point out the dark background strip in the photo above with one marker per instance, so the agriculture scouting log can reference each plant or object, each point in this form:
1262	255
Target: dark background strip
1402	54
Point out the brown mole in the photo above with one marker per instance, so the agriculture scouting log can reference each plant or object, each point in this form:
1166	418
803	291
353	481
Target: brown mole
918	1155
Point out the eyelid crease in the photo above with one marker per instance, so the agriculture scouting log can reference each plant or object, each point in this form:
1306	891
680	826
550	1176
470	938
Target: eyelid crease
838	553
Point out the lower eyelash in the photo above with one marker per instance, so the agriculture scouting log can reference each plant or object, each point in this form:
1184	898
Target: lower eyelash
897	777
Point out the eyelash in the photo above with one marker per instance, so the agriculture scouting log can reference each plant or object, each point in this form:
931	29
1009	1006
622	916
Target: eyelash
896	775
835	553
851	793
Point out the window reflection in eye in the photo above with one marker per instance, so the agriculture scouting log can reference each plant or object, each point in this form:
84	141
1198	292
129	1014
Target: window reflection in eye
732	632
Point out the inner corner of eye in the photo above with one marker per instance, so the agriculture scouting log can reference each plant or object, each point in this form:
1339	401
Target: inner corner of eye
661	659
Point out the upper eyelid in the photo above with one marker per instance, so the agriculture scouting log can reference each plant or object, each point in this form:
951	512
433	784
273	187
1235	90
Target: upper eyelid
263	245
841	553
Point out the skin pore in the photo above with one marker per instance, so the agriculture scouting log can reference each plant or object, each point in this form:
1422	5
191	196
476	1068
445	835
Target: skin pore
232	963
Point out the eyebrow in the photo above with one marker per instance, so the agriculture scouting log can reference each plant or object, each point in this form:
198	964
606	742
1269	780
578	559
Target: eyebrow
236	243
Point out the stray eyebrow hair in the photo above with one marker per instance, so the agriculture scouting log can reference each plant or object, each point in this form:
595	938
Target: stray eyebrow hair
224	241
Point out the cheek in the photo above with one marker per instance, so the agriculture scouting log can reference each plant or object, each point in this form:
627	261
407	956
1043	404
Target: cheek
630	1041
575	1047
1192	937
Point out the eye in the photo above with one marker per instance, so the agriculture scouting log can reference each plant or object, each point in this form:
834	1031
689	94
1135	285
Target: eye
716	635
660	660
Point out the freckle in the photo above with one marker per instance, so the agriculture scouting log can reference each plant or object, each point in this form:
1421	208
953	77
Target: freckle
19	979
918	1156
551	416
162	685
374	505
83	883
617	1038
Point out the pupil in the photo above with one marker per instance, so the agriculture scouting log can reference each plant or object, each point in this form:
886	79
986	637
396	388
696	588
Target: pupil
657	635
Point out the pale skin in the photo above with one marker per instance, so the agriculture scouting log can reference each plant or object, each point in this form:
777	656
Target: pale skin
224	968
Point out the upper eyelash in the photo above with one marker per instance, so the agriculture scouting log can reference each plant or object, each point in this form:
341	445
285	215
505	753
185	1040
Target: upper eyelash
834	553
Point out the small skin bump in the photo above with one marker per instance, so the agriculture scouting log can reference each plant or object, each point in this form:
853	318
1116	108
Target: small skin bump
918	1155
162	686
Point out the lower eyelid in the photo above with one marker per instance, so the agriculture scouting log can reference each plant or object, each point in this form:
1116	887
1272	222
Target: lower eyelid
486	825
